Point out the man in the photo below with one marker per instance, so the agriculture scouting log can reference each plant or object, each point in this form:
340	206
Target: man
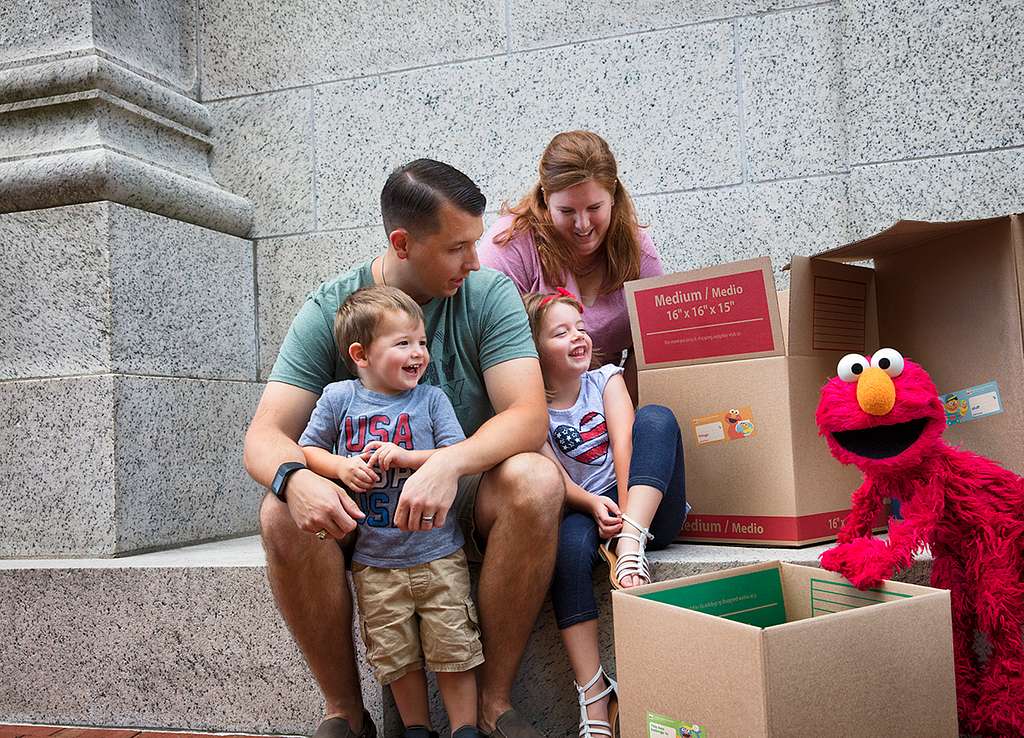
504	493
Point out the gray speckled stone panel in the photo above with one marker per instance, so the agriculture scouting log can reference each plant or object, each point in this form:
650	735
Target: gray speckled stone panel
178	456
947	188
158	36
57	470
54	265
791	93
183	298
666	102
30	28
267	44
263	150
288	269
932	77
198	648
775	219
556	22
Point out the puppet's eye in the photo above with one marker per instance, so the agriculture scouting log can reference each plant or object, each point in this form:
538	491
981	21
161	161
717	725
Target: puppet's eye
851	367
889	361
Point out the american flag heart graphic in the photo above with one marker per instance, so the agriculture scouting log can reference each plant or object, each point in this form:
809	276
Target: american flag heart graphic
588	444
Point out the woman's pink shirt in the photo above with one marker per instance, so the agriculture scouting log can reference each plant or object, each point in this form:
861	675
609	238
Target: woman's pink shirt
607	320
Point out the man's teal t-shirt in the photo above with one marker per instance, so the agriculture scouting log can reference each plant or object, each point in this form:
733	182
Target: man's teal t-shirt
482	325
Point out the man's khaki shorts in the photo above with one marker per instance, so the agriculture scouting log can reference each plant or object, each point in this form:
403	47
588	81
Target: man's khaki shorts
423	613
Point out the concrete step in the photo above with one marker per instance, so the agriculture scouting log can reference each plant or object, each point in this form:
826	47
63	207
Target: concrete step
190	639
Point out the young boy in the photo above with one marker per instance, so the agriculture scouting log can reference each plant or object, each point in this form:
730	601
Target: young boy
412	587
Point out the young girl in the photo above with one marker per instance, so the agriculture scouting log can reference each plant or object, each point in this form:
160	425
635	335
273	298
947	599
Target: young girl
624	482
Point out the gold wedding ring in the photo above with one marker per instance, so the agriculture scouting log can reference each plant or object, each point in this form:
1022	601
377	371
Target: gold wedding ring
321	534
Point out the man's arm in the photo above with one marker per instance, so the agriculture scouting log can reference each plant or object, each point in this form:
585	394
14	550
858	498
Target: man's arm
520	422
516	391
314	502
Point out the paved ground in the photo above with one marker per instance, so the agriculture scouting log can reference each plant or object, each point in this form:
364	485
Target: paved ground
56	731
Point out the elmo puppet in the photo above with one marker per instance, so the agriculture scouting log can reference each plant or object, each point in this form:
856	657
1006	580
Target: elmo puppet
883	415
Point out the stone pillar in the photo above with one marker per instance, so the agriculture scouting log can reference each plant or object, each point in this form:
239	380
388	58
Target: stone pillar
128	364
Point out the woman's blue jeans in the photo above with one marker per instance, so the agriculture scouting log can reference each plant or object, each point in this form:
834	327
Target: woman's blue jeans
657	461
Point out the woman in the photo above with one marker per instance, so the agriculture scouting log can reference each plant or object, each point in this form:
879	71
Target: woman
577	229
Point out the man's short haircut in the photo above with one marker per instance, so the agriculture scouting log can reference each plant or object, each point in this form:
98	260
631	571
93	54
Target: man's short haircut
359	317
415	192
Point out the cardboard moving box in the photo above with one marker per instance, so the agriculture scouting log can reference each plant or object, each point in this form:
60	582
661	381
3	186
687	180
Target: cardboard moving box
783	651
742	372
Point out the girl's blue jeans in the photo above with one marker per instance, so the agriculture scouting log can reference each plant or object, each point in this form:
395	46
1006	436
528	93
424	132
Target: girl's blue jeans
657	461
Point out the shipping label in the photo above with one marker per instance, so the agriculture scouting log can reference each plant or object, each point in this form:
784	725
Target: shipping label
659	726
705	318
732	425
972	403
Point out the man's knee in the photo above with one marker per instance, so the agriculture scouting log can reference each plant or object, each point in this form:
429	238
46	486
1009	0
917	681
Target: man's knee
277	529
532	484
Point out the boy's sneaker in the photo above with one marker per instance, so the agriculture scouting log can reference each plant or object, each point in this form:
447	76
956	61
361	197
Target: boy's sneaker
338	727
419	731
467	731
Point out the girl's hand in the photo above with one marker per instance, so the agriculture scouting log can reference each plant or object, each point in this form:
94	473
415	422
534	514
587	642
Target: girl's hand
607	516
385	455
355	474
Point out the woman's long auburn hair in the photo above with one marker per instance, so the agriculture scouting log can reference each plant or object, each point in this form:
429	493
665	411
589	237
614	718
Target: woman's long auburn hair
573	157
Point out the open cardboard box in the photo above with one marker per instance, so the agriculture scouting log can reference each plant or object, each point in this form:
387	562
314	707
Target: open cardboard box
742	369
783	651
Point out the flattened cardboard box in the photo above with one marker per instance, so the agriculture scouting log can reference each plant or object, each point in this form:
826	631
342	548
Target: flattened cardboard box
783	651
742	371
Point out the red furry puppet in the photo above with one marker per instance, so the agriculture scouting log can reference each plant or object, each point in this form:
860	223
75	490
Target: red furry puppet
884	416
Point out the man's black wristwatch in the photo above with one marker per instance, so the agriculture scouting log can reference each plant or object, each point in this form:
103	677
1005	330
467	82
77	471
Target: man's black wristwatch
281	478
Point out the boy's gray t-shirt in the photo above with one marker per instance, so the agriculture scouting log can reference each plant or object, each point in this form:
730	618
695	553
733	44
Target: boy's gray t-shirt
347	417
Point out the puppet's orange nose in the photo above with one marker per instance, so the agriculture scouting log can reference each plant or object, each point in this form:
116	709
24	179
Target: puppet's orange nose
876	394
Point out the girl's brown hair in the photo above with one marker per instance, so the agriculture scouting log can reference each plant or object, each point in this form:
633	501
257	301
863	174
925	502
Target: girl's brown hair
537	305
573	157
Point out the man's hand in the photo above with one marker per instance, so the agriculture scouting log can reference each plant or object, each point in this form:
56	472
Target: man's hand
430	491
356	474
386	456
317	504
607	516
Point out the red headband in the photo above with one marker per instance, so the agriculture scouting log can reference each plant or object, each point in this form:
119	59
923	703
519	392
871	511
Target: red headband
561	292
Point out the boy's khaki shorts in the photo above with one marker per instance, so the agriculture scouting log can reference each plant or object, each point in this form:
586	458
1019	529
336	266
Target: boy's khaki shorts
423	613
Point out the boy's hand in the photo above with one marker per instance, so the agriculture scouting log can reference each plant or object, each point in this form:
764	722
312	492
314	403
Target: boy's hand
385	455
355	474
607	516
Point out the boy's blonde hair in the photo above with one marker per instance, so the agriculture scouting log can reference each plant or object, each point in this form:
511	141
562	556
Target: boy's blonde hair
359	317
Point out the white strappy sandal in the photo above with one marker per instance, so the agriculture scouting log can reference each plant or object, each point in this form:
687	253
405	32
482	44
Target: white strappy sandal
599	728
633	563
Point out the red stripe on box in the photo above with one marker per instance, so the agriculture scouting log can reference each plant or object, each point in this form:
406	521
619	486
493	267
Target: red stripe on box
768	527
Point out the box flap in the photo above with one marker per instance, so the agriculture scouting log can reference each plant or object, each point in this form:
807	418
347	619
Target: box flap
754	598
721	313
832	308
656	648
903	234
827	676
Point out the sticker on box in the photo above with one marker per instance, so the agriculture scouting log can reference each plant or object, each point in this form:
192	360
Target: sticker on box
731	425
659	726
972	403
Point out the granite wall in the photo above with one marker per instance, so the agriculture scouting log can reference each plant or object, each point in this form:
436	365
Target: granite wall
175	176
742	127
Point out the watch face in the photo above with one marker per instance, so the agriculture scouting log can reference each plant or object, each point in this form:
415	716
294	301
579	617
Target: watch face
283	472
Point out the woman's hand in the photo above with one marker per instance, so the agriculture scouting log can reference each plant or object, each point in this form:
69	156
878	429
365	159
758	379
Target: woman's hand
607	516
